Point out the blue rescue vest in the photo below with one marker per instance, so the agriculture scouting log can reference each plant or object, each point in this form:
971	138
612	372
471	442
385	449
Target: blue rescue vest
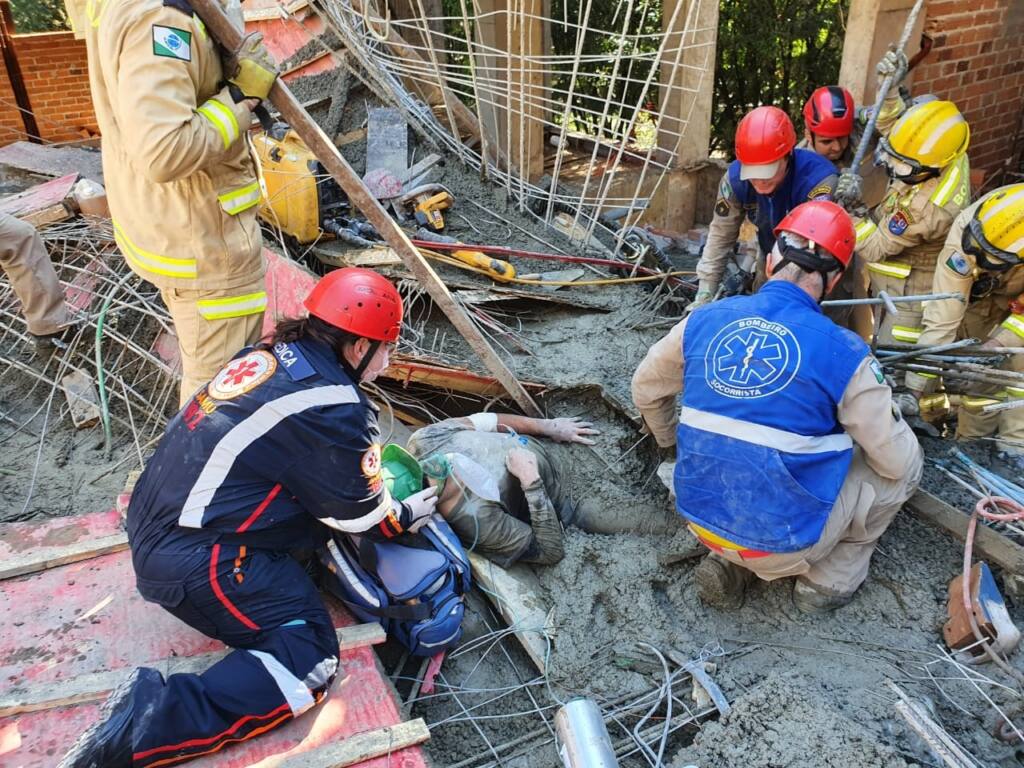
761	455
806	180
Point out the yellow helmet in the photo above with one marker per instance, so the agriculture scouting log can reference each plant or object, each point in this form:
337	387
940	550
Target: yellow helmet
995	235
928	137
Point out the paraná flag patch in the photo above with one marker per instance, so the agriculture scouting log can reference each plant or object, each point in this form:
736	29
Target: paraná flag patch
172	43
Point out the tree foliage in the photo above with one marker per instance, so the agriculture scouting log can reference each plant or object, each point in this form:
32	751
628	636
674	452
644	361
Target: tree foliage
39	15
773	52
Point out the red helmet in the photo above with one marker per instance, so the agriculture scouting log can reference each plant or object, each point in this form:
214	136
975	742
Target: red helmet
826	225
359	301
829	112
764	135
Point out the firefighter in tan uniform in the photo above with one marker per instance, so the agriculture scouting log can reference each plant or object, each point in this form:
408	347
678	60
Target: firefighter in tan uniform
925	156
982	259
27	264
791	460
180	181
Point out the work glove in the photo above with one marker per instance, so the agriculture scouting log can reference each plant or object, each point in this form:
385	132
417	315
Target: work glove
848	189
251	68
908	403
421	506
705	295
570	430
893	64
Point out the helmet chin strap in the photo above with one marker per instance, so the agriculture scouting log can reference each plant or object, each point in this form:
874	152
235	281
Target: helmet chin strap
365	362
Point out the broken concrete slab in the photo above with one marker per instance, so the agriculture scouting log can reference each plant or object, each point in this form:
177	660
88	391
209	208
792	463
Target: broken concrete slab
53	161
387	141
39	197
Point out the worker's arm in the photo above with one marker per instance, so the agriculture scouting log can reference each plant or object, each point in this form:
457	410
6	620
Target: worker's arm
546	546
899	230
159	65
562	430
657	383
723	233
825	189
866	413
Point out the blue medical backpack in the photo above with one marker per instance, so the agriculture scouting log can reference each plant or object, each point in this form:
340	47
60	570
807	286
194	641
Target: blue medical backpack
414	592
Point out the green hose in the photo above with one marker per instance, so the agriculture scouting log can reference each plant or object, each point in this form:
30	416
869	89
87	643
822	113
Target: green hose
100	378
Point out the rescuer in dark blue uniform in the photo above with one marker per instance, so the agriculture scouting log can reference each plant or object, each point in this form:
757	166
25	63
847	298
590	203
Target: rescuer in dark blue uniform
278	449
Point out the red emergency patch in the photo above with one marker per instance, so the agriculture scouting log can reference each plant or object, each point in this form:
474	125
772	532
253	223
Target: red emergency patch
198	408
242	375
371	467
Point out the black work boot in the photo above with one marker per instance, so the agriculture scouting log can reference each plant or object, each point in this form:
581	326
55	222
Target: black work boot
810	599
720	583
107	743
57	341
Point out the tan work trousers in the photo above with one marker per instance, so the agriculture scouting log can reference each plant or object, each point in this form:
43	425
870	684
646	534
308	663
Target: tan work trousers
906	326
972	422
24	258
838	562
206	344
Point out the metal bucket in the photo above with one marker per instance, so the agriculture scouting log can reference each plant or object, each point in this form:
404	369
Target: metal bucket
582	737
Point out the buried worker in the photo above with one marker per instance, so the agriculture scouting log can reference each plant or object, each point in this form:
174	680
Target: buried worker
983	259
25	260
766	181
790	458
503	487
275	452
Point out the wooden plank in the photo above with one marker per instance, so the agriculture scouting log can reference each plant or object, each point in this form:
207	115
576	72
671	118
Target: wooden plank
350	137
52	557
96	686
406	369
515	592
989	545
38	197
80	392
363	746
387	141
49	215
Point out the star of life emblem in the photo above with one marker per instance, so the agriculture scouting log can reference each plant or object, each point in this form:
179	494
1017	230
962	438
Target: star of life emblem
242	375
751	358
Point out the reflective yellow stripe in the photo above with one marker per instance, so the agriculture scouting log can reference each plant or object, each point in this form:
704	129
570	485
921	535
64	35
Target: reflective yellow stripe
233	306
200	26
864	230
715	539
238	200
906	333
925	375
153	262
1015	392
975	403
1015	323
945	190
890	269
223	120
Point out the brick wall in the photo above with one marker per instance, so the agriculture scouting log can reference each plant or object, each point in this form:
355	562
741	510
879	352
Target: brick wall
54	67
978	63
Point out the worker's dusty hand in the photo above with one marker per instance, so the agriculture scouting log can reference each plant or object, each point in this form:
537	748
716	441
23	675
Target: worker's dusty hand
523	465
421	506
251	68
907	402
991	344
848	189
893	64
705	295
570	430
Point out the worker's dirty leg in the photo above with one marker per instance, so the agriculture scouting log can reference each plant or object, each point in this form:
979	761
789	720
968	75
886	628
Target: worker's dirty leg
23	257
839	560
212	327
720	583
605	518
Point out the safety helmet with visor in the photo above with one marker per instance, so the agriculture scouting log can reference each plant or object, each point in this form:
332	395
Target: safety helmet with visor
995	234
927	138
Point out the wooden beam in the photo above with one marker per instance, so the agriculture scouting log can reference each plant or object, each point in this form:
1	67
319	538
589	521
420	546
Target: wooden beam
224	31
989	544
515	592
362	746
96	686
51	557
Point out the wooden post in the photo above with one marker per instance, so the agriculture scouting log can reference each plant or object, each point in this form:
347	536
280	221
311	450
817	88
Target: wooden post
28	117
687	87
222	30
510	82
873	25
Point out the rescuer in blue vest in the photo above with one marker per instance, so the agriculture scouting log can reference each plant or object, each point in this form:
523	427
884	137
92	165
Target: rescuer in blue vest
278	450
791	460
768	179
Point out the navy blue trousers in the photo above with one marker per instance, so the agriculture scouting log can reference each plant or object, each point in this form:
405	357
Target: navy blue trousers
263	605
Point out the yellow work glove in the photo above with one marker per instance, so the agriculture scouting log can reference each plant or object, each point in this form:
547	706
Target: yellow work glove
251	68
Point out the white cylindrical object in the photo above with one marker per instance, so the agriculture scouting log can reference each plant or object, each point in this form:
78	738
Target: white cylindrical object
583	740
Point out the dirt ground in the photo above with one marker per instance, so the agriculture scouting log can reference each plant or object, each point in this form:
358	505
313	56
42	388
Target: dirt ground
805	691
